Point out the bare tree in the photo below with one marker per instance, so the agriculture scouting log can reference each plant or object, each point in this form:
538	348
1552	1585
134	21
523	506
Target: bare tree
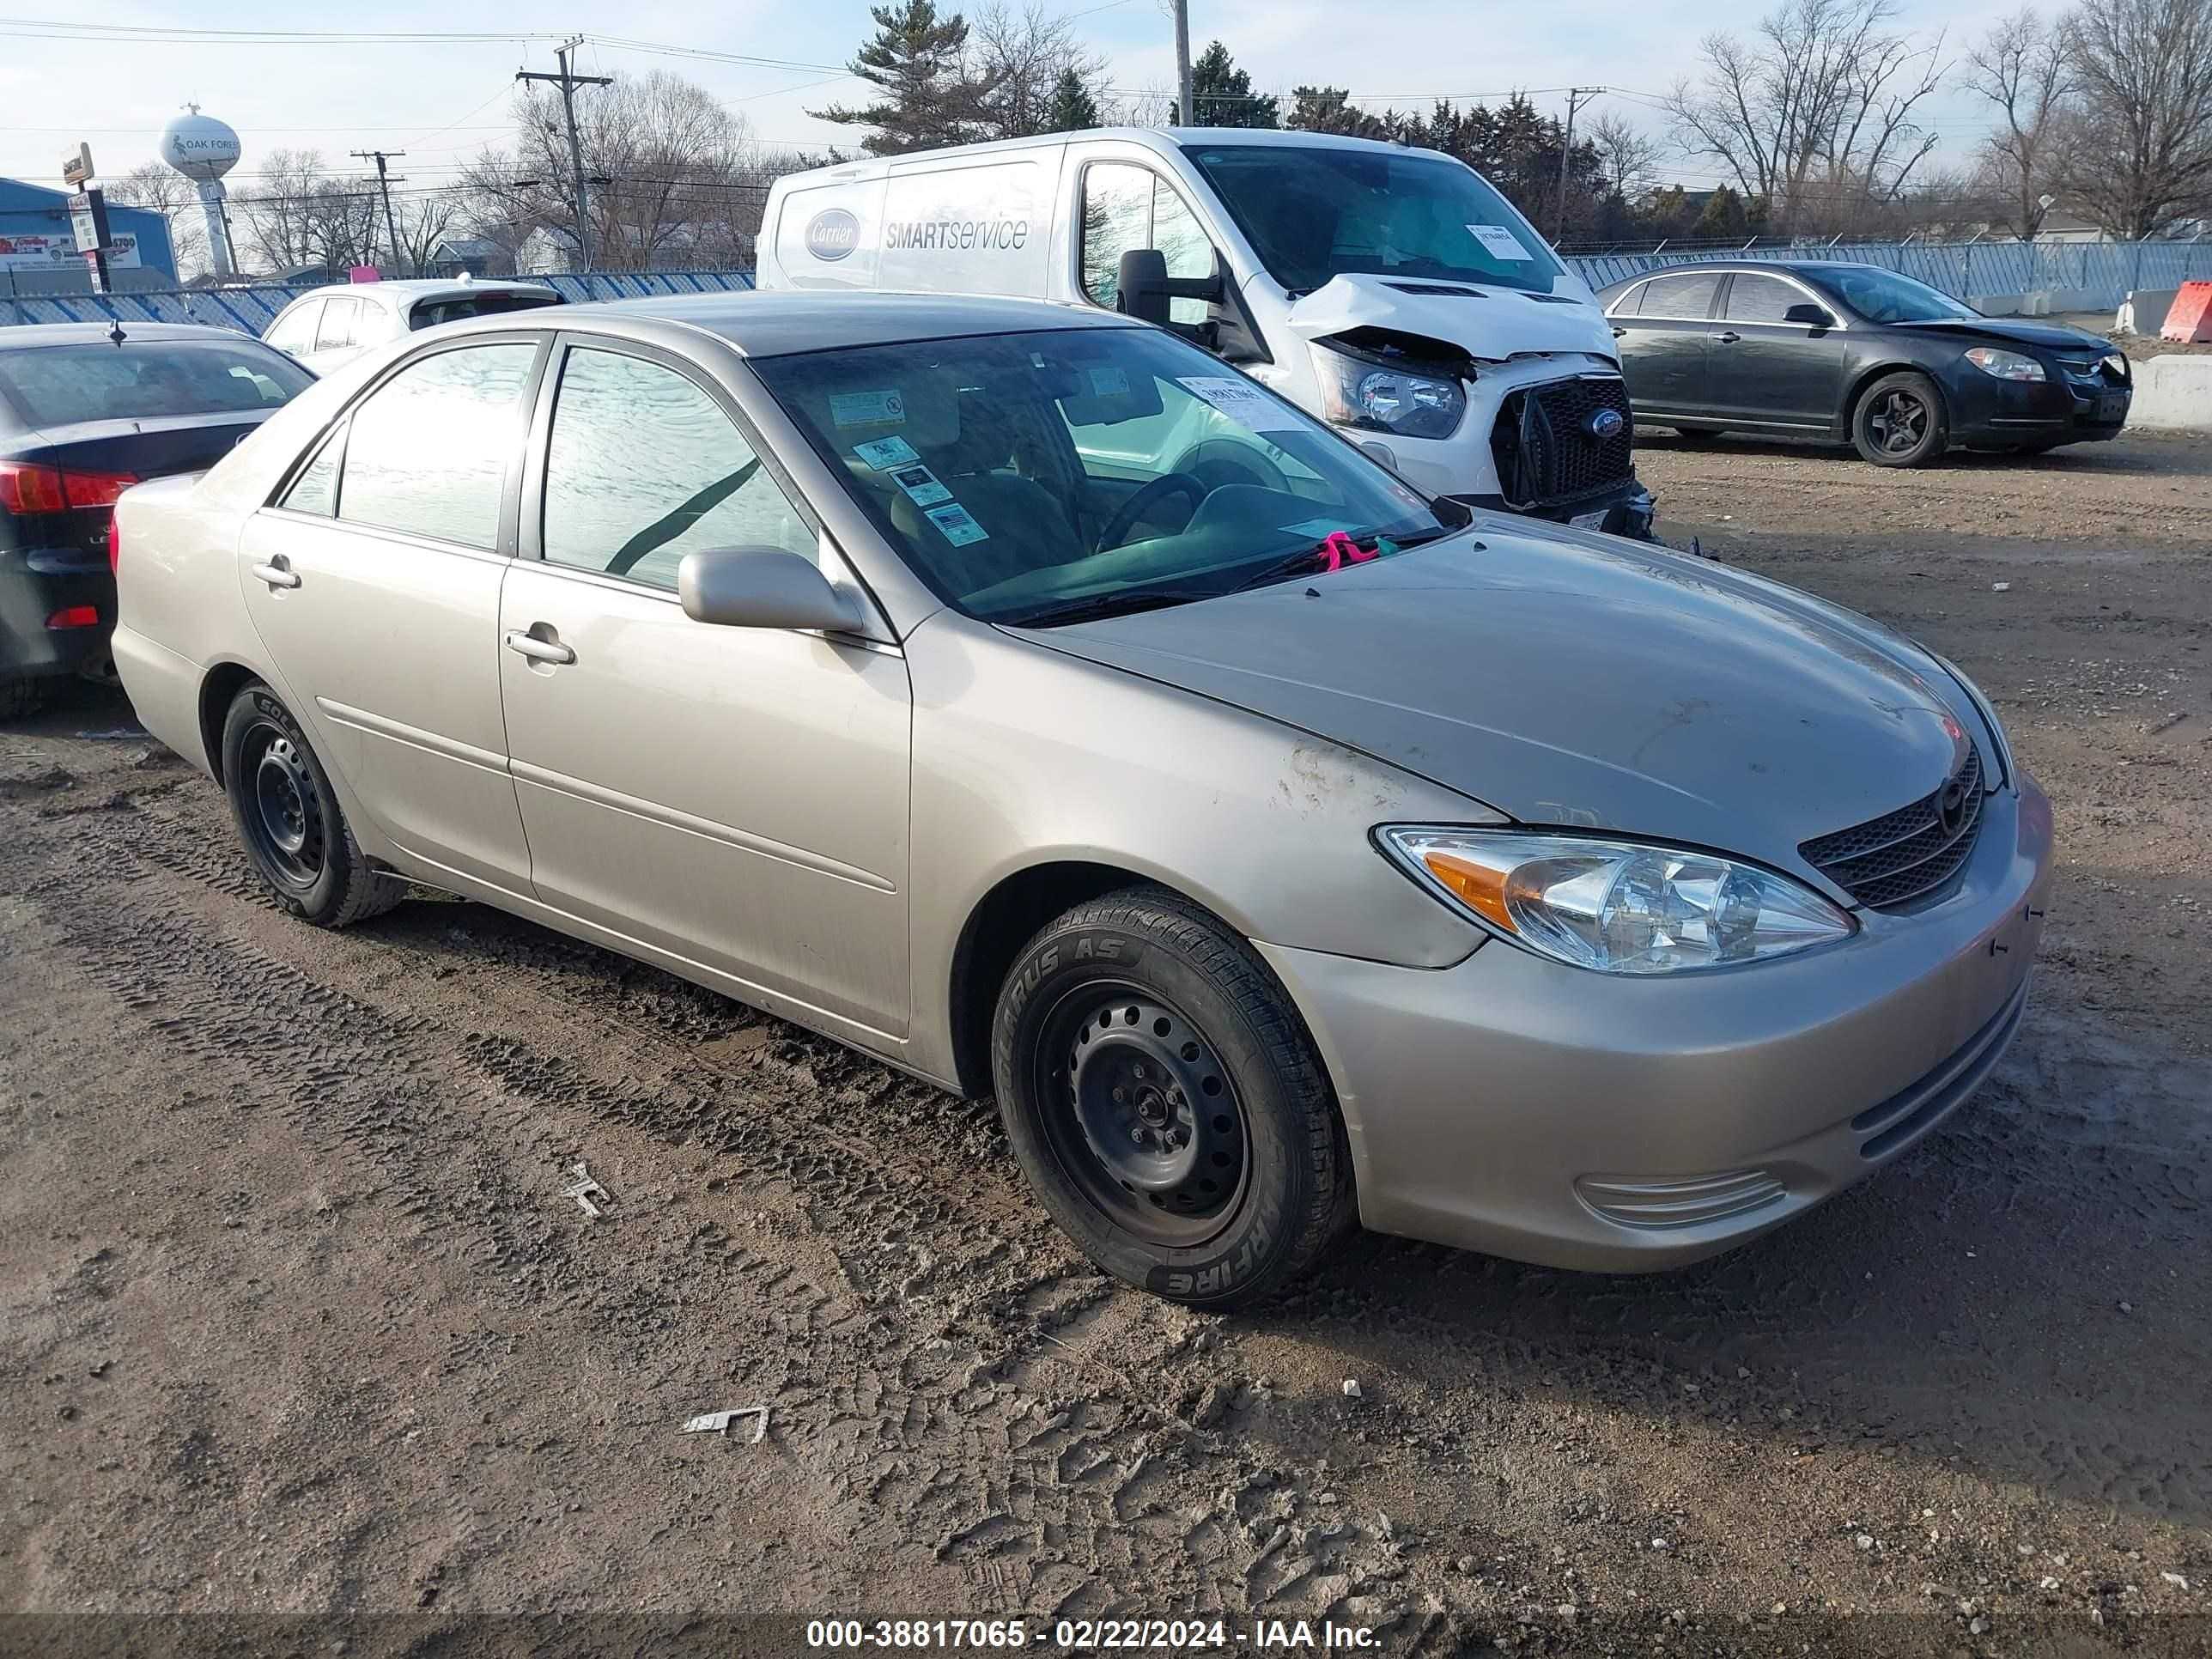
159	188
670	170
1628	154
2023	67
2138	159
1817	113
300	214
1020	57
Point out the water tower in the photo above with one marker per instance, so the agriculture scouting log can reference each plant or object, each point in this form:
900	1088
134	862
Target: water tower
204	149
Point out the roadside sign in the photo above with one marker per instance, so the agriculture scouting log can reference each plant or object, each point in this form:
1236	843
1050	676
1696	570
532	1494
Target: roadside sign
77	167
89	220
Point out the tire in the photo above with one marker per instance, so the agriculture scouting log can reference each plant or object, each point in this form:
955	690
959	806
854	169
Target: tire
289	817
1901	421
1236	1174
19	697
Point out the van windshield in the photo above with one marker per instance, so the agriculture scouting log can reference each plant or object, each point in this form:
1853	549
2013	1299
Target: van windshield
1314	212
1048	477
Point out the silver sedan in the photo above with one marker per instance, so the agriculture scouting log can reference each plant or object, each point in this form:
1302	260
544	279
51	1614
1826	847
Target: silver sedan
1019	695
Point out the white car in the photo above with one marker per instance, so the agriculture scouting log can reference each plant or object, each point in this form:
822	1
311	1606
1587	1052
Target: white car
330	326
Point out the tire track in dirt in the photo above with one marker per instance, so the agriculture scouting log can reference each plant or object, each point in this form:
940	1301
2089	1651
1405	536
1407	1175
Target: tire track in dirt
927	1395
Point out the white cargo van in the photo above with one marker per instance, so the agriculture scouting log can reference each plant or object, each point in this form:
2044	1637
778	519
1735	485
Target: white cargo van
1390	291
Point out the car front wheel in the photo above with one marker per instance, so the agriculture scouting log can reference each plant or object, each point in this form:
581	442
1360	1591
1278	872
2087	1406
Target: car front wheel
289	818
1165	1100
1900	421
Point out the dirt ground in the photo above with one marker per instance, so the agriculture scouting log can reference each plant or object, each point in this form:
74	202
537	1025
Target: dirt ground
295	1320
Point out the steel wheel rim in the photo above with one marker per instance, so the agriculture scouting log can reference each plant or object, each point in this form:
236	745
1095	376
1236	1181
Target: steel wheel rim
1899	422
1140	1113
284	815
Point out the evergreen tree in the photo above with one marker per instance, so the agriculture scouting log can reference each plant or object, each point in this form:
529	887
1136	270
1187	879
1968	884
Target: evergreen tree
1329	109
1222	94
1073	107
1724	218
918	60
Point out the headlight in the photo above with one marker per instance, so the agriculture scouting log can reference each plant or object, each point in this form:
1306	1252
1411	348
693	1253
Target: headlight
1617	907
2005	365
1380	398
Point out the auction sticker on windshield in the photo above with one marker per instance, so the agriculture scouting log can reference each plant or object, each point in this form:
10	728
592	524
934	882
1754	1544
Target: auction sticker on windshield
958	524
868	407
1242	402
920	485
884	453
1498	242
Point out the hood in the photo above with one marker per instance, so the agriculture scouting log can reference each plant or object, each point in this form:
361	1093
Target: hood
2049	337
1491	324
1566	682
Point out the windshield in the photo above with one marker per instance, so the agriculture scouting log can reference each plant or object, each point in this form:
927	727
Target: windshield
61	385
1314	213
1883	296
1027	474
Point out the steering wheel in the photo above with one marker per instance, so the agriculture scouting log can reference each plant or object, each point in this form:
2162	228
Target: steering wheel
1220	462
1132	512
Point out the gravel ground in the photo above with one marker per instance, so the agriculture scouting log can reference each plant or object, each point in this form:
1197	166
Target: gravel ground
295	1320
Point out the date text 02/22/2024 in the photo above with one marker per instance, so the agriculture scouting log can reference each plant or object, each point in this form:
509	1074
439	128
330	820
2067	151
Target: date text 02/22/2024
1089	1635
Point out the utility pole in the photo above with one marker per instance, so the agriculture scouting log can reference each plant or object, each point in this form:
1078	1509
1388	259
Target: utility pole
1182	65
383	183
1576	97
569	83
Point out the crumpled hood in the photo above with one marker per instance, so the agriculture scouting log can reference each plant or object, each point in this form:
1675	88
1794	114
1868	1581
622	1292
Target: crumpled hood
1571	682
1489	323
2050	337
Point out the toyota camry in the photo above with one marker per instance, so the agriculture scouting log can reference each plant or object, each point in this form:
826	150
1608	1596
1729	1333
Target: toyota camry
1015	693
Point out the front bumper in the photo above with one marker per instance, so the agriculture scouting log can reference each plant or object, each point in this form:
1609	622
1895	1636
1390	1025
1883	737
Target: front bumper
1627	510
1516	1106
2062	410
39	585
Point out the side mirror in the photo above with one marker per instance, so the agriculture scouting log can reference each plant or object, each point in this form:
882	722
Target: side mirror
1142	285
1811	315
762	587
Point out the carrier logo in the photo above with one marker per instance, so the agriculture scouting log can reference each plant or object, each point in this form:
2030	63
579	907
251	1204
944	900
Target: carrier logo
832	234
1603	424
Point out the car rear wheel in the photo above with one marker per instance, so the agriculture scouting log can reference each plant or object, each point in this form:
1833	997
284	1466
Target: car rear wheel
1164	1099
20	697
1900	421
289	818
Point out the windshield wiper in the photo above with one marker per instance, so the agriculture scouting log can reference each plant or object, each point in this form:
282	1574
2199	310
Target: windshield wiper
1311	562
1095	606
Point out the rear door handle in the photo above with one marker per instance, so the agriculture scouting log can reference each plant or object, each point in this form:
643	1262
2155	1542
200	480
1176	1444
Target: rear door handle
277	571
1727	337
538	650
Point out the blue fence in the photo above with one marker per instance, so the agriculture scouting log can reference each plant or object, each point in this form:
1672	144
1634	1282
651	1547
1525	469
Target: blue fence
250	310
2090	275
2095	275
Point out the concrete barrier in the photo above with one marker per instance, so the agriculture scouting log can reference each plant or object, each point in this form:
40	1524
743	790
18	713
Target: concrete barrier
2143	312
2174	392
2057	301
1996	305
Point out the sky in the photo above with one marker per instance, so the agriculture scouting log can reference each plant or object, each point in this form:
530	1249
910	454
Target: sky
443	100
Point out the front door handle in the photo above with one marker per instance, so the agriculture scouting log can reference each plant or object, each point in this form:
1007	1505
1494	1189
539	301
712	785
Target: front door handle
1727	337
538	650
1619	331
277	571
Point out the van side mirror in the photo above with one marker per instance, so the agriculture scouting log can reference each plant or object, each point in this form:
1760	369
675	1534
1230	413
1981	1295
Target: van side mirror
1811	315
1141	285
762	587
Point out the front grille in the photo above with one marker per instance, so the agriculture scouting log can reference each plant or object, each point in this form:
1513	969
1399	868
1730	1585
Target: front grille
1546	453
1904	855
2092	373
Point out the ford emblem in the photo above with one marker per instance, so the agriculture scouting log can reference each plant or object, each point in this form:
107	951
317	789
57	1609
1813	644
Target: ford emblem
832	234
1603	424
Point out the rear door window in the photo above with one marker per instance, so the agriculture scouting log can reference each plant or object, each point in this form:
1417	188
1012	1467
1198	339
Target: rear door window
1689	297
295	330
336	328
429	449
